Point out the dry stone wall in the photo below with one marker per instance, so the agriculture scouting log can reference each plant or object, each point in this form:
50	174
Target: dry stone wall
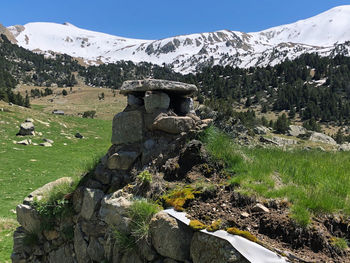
155	125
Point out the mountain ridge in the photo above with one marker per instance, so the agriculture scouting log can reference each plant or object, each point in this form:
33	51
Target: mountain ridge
188	53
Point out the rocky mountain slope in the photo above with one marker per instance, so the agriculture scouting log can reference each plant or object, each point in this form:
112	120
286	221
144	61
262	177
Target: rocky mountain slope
325	34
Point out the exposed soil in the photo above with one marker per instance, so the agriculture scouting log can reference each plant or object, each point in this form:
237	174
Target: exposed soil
274	229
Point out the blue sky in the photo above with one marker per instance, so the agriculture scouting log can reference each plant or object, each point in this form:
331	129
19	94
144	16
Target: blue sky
154	19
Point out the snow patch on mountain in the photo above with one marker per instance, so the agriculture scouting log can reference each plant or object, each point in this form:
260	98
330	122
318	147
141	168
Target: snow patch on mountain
325	34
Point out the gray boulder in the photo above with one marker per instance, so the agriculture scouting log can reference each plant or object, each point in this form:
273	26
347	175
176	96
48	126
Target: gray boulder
28	217
345	147
173	124
133	86
155	101
80	246
78	135
114	208
92	198
170	237
122	160
207	249
322	138
48	140
25	142
127	127
18	254
64	253
95	250
45	144
26	128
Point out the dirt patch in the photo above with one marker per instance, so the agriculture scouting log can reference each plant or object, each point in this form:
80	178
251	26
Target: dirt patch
274	229
216	201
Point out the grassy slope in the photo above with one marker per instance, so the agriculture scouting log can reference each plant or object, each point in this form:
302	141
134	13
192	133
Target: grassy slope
313	181
81	98
26	168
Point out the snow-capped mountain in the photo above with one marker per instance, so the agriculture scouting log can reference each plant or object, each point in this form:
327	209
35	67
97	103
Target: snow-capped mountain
325	34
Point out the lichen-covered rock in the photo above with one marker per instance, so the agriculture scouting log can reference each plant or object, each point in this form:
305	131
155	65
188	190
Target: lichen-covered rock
28	217
92	198
174	124
208	249
170	237
122	160
127	127
155	101
134	86
114	208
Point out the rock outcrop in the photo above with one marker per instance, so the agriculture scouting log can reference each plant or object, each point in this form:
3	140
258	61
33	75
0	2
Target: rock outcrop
323	138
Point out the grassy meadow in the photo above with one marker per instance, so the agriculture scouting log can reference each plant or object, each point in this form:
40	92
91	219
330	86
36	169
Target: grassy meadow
315	182
26	168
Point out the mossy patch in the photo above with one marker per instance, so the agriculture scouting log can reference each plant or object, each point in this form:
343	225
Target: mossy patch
245	234
178	197
215	226
197	225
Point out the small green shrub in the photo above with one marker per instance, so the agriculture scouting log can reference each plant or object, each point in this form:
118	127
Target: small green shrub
145	177
301	215
339	243
89	114
124	240
140	214
56	203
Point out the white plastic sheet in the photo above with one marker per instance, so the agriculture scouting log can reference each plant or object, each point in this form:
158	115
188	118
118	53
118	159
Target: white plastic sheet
253	252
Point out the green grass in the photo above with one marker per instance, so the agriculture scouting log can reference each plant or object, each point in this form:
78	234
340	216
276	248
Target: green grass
7	227
339	243
140	212
314	182
26	168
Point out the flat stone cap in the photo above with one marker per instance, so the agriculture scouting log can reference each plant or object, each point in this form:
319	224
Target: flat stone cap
135	86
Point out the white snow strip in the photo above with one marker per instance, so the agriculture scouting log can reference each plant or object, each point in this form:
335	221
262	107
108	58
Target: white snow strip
248	249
